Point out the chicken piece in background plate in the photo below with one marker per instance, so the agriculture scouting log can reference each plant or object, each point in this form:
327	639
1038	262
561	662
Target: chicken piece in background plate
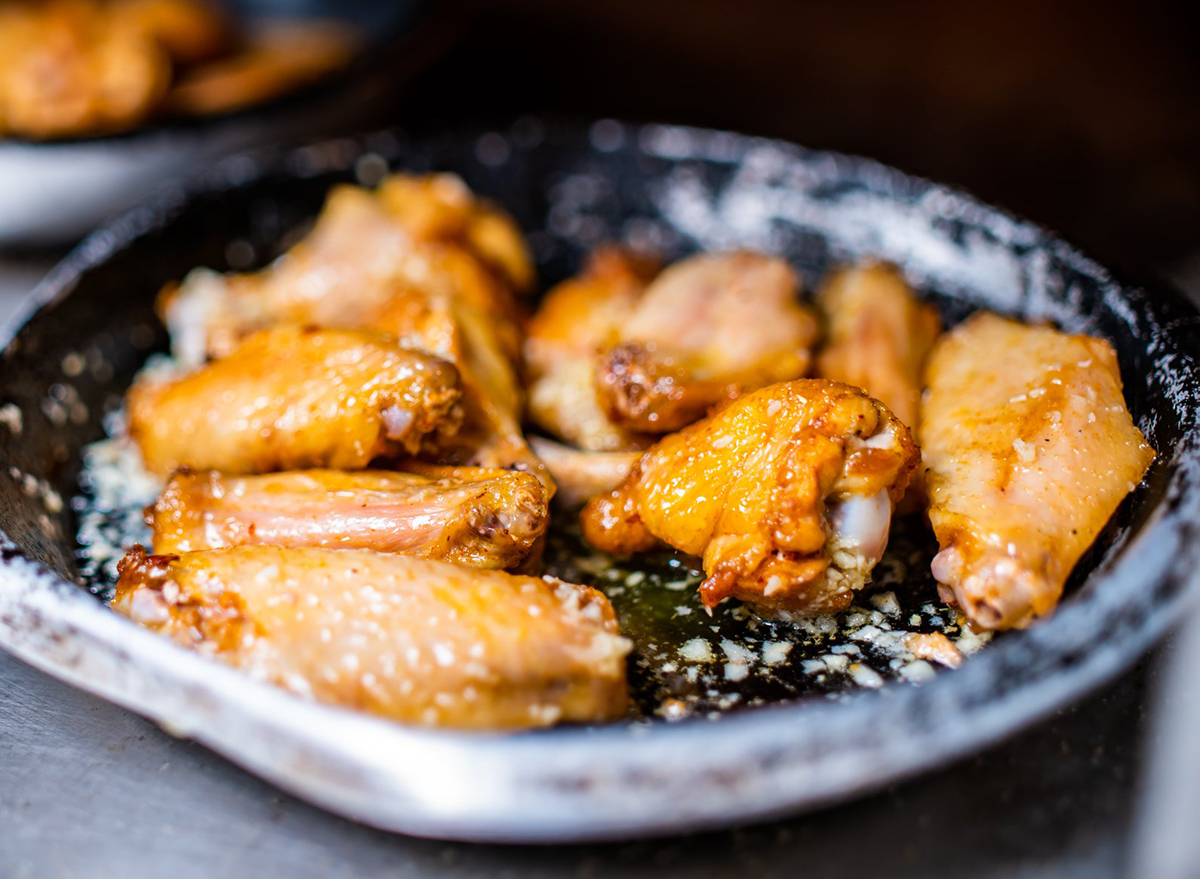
707	329
786	494
288	398
1028	449
76	67
409	639
879	336
576	320
468	516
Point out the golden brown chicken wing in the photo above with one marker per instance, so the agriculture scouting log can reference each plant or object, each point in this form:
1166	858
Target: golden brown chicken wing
288	398
365	249
470	516
706	330
879	336
786	494
1028	450
410	260
576	321
580	475
410	639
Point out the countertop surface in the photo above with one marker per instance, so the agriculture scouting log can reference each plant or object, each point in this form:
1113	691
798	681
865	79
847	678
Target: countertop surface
88	789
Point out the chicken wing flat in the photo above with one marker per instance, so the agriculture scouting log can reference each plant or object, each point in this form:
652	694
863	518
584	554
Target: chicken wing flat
1028	451
879	336
470	516
578	319
410	639
786	494
707	329
288	398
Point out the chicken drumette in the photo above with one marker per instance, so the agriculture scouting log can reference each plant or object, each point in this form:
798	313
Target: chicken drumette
1028	451
786	494
410	639
706	330
879	336
468	516
288	398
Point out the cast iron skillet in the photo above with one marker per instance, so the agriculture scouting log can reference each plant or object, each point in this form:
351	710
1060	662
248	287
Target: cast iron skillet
572	186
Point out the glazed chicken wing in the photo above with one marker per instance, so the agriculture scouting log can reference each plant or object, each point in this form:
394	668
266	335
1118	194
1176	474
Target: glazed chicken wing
879	336
410	639
576	321
288	398
1028	450
470	516
786	494
706	330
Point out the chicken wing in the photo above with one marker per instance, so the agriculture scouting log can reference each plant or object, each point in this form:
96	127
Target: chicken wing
581	475
364	250
1028	450
879	336
471	516
288	398
410	639
706	330
410	260
786	494
576	321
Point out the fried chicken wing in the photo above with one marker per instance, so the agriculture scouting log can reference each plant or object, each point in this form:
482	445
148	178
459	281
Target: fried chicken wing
410	260
578	319
581	475
879	336
288	398
410	639
365	249
786	494
706	330
1028	450
470	516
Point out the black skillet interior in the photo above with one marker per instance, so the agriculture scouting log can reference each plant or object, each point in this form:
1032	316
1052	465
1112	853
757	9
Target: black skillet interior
573	186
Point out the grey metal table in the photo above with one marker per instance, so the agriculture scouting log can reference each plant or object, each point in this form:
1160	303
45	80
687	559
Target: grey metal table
88	789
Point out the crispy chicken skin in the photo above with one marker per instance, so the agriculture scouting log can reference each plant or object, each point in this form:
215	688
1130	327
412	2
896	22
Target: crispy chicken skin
786	494
576	321
581	475
1028	451
70	67
879	336
708	328
410	639
470	516
288	398
420	259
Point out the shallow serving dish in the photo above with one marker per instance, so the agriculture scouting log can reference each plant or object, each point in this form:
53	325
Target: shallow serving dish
89	326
